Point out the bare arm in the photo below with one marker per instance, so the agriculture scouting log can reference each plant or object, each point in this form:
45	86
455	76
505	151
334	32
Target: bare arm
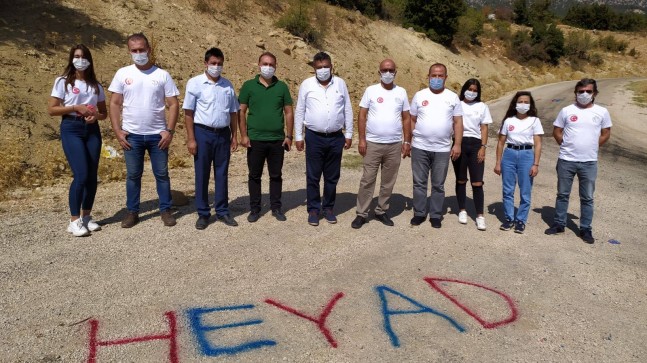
289	125
458	138
233	126
116	102
242	126
535	166
191	145
361	130
605	134
558	134
499	153
480	156
173	112
406	134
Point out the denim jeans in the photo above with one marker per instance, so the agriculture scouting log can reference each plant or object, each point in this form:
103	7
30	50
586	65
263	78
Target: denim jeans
423	165
586	172
82	148
139	144
515	168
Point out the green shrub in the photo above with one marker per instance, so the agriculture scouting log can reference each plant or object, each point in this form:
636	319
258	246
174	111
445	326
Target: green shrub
436	18
470	26
596	59
578	44
297	21
609	43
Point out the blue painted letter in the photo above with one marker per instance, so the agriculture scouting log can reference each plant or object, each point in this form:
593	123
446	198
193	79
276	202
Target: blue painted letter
421	309
210	350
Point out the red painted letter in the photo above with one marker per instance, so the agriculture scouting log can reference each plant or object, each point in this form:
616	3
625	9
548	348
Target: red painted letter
171	336
321	321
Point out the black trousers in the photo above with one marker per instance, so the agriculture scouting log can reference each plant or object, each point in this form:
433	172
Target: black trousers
257	154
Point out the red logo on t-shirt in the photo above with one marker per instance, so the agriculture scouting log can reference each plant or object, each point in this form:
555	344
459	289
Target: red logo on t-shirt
129	81
573	118
380	100
76	90
511	128
425	103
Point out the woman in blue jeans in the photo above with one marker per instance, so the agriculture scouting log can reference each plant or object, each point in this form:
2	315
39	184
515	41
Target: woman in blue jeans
78	97
520	136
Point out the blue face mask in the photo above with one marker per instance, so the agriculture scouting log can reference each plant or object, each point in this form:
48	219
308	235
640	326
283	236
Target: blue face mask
436	83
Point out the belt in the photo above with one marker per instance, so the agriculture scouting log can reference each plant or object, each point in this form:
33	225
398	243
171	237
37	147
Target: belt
520	147
326	134
74	118
212	129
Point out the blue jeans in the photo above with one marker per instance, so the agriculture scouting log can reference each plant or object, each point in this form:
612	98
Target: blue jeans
139	144
213	150
427	165
586	172
515	168
82	148
323	157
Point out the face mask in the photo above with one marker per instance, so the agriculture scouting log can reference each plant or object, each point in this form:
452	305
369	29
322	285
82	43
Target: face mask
436	83
470	95
267	72
584	98
387	77
523	108
81	64
323	74
140	59
214	71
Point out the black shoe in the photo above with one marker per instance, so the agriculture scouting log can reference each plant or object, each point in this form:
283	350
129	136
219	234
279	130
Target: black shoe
358	222
435	222
228	220
417	220
587	236
554	229
202	222
519	227
253	216
507	225
385	219
278	214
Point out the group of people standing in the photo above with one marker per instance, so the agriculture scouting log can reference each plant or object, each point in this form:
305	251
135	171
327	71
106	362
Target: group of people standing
435	127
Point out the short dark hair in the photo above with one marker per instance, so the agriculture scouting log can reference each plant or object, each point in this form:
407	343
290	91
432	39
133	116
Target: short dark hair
267	54
435	65
321	56
468	83
138	36
585	82
214	52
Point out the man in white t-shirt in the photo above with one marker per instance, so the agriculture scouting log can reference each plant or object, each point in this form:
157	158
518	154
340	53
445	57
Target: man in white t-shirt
436	114
580	129
383	119
142	91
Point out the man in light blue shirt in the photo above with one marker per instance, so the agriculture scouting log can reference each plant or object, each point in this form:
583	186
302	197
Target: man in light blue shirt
211	114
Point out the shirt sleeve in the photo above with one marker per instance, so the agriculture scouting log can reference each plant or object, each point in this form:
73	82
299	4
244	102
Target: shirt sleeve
287	98
504	128
606	120
458	108
189	97
243	96
58	90
348	113
487	117
234	106
300	112
117	86
414	106
170	89
365	102
405	101
560	121
537	128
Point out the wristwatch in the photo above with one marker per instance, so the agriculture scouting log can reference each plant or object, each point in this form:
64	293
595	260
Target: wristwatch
171	131
485	146
289	137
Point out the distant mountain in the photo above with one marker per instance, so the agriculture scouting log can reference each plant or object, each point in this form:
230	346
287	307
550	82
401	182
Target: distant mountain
561	6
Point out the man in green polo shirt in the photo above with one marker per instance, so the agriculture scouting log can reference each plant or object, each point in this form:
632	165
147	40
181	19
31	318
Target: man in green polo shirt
266	132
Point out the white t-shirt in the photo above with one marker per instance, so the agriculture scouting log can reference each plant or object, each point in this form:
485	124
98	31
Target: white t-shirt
582	128
435	124
79	94
385	107
474	115
144	98
521	132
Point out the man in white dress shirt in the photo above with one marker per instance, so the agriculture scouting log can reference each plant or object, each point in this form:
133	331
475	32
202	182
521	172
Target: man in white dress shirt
324	108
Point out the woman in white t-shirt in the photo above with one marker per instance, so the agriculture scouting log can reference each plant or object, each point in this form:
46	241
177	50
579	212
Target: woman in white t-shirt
520	136
78	97
476	118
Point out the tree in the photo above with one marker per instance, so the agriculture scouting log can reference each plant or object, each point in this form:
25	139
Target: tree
520	9
436	18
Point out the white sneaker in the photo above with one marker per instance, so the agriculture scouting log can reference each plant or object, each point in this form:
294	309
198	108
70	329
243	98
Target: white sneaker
462	217
480	223
90	224
77	228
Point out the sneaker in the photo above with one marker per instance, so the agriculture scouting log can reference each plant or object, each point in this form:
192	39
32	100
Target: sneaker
278	214
519	227
358	222
313	218
462	217
554	229
130	220
253	216
167	218
417	220
77	228
507	225
90	224
587	236
435	222
228	220
480	223
385	219
329	215
202	222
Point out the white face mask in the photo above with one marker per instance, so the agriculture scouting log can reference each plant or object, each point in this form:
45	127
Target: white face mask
523	108
323	74
267	72
387	77
214	71
81	64
140	59
470	95
584	98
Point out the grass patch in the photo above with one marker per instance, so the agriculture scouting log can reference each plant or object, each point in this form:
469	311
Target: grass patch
352	161
640	92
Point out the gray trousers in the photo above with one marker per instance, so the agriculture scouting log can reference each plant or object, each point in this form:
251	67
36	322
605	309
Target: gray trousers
426	164
386	156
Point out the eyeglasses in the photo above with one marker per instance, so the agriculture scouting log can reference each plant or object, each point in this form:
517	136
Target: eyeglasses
585	91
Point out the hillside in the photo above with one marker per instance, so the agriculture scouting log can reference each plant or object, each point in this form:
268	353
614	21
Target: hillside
561	6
